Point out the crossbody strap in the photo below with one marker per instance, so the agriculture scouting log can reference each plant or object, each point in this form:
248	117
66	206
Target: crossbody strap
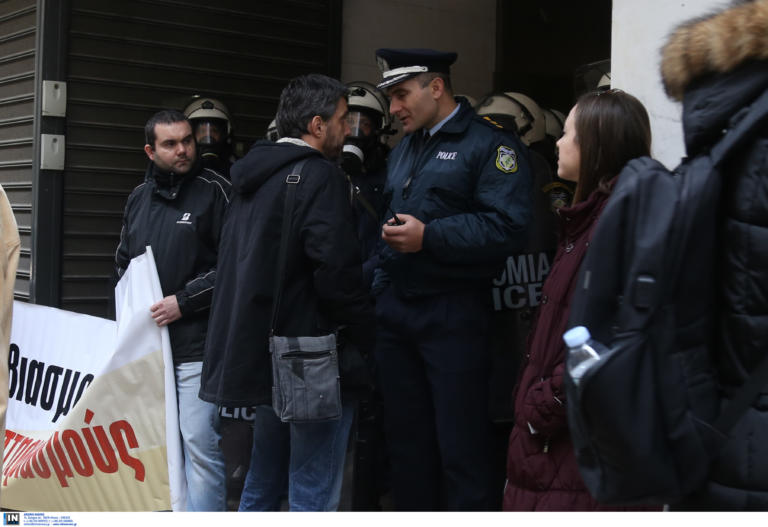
358	195
292	181
758	379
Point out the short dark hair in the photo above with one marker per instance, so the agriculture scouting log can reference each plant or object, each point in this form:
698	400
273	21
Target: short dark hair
161	117
426	78
303	98
612	127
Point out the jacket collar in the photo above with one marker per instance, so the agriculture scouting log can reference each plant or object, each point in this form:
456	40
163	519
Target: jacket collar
459	122
579	217
168	184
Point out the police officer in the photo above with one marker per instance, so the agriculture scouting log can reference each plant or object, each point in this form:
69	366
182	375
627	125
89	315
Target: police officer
516	292
212	126
459	192
364	160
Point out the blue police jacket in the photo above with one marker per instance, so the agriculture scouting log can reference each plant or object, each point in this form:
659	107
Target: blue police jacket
471	184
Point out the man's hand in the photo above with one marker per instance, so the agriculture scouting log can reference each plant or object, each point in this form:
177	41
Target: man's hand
405	238
166	311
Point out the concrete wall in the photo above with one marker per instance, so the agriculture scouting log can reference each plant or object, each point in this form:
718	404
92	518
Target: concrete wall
465	26
639	31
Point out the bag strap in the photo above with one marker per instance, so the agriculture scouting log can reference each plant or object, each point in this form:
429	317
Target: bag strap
757	380
755	117
358	195
292	180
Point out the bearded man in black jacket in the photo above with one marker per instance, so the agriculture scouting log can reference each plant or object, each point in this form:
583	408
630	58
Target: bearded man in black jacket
322	290
178	211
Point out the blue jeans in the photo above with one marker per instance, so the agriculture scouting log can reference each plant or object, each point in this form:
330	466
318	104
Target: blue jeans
203	459
305	459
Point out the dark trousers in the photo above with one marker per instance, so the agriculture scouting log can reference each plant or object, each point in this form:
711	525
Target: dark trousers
432	363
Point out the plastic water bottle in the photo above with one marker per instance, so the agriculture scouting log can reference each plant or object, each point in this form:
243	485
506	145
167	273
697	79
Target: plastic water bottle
581	352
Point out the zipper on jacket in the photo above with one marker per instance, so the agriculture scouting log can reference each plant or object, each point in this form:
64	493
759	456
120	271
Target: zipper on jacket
546	445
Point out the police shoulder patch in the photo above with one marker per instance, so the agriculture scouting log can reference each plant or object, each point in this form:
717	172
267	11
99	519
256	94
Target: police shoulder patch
506	159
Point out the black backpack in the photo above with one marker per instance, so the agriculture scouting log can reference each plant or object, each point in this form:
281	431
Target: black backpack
646	419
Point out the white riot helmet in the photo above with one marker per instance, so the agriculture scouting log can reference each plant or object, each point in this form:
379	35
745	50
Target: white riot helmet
554	121
369	122
605	82
516	111
365	98
210	120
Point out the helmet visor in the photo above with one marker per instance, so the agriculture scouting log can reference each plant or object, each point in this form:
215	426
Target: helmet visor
360	124
210	132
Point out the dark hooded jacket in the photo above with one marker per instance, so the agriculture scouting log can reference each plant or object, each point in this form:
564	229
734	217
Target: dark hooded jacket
323	286
180	217
717	66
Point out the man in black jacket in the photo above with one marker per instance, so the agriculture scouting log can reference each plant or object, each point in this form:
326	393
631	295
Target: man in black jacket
178	211
322	291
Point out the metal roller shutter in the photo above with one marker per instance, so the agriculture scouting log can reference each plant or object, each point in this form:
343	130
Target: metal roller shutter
127	60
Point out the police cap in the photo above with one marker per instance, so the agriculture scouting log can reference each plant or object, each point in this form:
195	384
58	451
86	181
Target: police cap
397	65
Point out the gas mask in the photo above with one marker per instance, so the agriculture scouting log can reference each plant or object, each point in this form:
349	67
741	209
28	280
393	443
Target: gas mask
361	138
211	136
352	159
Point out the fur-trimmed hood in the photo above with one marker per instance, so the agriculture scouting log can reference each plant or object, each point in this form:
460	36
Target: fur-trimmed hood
716	43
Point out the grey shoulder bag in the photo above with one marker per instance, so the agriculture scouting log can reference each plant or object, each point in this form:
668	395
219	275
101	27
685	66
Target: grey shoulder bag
305	370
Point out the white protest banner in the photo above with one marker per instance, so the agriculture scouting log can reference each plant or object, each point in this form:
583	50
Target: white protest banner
91	404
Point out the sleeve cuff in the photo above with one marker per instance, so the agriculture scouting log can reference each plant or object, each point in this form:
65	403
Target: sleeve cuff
183	300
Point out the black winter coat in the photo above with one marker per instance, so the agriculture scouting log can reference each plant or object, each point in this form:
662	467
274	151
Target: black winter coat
180	217
323	281
718	76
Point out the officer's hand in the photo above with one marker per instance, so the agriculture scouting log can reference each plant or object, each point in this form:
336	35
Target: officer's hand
166	311
405	238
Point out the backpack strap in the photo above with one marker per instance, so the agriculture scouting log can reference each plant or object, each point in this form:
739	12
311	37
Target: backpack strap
755	117
743	398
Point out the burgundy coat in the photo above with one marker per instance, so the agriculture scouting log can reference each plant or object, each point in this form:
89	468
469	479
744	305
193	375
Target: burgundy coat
542	473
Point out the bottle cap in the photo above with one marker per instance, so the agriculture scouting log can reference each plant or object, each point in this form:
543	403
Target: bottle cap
577	336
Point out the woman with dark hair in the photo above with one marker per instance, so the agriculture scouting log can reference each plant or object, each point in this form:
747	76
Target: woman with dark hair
603	131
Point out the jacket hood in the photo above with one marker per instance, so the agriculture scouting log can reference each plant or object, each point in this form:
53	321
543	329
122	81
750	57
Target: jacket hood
716	65
263	160
713	44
